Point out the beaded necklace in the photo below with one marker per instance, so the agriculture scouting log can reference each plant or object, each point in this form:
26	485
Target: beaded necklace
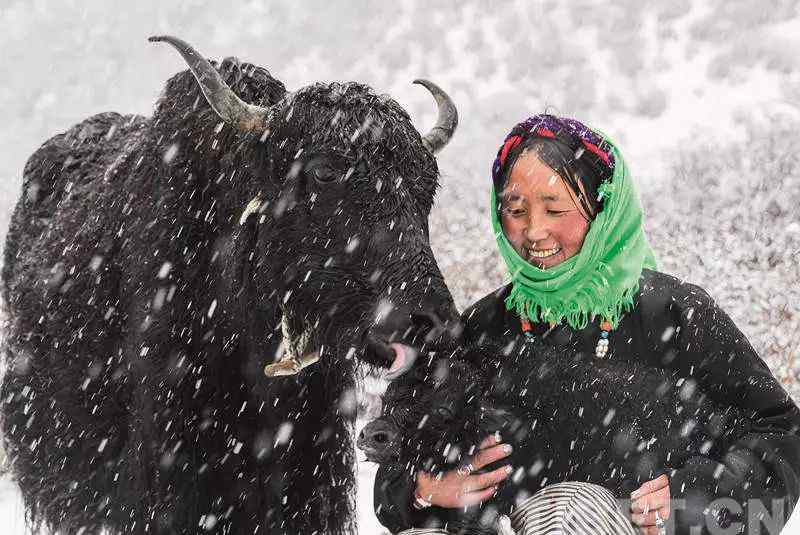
600	350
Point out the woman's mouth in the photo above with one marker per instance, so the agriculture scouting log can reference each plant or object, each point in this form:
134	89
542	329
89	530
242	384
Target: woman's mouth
539	254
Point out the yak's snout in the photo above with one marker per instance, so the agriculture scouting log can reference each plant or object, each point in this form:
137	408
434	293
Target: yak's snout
400	332
378	441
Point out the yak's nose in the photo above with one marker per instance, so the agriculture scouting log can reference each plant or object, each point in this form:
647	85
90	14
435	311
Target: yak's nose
376	435
400	332
424	323
436	325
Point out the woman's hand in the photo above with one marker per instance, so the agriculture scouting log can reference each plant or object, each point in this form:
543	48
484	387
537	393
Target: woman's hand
459	487
649	499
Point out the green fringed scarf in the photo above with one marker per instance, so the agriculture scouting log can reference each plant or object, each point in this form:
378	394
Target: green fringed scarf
602	279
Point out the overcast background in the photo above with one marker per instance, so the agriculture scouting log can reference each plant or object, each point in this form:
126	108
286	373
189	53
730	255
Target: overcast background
702	98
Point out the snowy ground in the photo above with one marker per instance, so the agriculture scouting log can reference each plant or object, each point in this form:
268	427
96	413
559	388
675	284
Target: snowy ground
702	97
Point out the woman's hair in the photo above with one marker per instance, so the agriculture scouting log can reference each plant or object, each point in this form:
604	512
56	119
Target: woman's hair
561	159
578	154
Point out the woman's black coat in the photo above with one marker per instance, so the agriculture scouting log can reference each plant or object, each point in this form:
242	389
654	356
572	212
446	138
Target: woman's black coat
673	325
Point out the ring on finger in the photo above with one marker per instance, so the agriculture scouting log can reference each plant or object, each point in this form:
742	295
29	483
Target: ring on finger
466	469
660	525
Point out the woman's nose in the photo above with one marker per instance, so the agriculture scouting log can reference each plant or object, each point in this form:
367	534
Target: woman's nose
536	229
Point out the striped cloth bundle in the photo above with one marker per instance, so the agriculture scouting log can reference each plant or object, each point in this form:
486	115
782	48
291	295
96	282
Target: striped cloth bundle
571	508
568	508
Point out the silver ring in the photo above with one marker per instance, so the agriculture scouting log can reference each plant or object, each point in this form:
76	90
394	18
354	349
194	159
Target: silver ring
660	525
466	469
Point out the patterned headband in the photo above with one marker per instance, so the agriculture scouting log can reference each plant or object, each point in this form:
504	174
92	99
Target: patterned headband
583	141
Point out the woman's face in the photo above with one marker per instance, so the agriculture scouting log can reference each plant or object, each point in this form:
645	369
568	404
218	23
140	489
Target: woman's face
540	215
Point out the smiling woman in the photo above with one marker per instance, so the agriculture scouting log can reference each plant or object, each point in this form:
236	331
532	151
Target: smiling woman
568	224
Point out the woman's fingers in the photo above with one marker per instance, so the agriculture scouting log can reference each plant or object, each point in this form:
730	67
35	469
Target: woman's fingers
651	498
651	486
477	497
489	479
490	455
649	518
489	441
651	502
461	487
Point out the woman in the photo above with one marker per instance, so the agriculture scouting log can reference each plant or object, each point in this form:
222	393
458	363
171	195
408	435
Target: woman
567	221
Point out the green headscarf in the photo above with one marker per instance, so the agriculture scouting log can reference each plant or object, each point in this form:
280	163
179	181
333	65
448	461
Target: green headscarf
598	282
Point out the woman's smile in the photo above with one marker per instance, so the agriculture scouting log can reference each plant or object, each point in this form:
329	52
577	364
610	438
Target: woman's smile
543	253
543	258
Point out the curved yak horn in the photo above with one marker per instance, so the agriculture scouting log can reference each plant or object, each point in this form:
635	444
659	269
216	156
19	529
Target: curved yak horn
446	122
233	110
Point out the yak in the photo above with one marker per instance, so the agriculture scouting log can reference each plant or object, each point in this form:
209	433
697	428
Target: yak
155	265
615	424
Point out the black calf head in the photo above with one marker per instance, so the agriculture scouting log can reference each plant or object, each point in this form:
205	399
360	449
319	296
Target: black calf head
342	186
432	416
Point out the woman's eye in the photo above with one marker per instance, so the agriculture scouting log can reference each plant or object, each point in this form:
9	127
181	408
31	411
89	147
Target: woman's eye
515	212
557	212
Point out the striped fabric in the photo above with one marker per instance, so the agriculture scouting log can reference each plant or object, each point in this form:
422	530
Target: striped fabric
569	508
423	531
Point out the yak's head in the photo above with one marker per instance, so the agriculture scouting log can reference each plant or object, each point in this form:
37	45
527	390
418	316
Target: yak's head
433	416
341	206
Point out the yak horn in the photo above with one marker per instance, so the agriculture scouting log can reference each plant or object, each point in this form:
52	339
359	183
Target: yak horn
446	122
233	110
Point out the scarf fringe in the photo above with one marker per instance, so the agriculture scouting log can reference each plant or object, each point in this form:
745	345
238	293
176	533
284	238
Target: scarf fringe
579	311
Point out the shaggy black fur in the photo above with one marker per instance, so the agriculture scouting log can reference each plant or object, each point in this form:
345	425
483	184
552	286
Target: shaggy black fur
568	419
141	314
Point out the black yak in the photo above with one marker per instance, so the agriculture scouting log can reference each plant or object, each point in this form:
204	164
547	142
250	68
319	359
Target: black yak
155	265
616	424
